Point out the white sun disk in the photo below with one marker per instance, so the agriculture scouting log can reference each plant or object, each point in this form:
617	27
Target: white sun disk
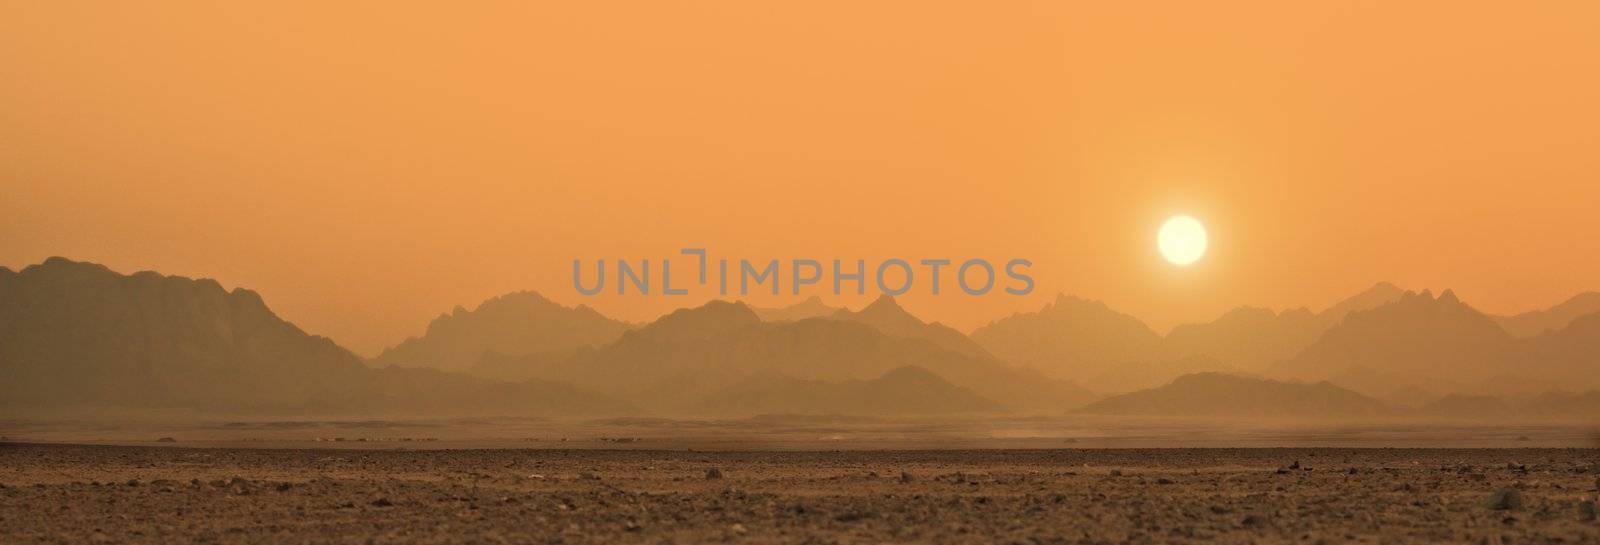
1182	240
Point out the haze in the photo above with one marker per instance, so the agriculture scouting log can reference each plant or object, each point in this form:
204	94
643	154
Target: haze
366	166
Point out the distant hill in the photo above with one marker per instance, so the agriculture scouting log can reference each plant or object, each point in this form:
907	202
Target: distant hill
672	363
902	391
1116	353
889	317
1255	338
1217	394
516	323
1419	339
1378	295
1247	337
1071	338
812	307
79	335
1565	358
1533	323
1141	375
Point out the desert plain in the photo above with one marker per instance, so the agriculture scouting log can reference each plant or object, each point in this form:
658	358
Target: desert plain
629	493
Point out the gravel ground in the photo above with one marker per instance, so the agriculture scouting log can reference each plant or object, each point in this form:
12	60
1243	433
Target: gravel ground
117	494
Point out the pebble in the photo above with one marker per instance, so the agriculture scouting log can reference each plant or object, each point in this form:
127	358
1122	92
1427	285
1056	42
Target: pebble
1506	499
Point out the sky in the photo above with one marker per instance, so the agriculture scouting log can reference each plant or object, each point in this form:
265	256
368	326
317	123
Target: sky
368	165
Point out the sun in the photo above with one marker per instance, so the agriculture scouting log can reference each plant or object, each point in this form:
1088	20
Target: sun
1182	240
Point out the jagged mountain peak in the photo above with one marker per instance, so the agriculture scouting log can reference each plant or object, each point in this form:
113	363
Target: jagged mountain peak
516	323
711	319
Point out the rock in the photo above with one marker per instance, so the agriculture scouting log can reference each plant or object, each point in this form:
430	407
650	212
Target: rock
587	476
382	502
738	528
1116	473
1506	499
713	474
284	487
1295	465
166	440
906	477
133	482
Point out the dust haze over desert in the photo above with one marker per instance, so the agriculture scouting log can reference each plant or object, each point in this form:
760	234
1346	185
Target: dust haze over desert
826	271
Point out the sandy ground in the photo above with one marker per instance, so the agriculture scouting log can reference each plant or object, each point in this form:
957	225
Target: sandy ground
134	494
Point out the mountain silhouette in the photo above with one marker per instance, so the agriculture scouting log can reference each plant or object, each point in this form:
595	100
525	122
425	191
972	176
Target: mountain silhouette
516	323
672	363
1253	338
901	391
1071	338
74	334
1565	358
887	316
1141	375
812	307
1247	337
1219	394
1545	405
1417	340
79	335
1536	322
1378	295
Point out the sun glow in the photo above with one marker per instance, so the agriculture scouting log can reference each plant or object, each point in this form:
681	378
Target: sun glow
1182	240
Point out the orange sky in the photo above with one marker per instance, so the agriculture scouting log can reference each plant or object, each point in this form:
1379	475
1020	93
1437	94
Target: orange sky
367	166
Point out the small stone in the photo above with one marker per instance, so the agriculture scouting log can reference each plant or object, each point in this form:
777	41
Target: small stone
587	476
738	528
906	477
133	482
382	502
166	440
1587	511
1506	499
713	474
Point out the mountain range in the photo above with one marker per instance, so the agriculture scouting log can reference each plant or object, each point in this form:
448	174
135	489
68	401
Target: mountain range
80	335
1221	394
692	353
513	324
